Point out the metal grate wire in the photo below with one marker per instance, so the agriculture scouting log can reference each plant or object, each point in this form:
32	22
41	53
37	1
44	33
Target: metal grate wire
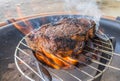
105	45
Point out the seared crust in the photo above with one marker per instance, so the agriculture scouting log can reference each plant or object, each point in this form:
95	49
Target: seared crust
65	38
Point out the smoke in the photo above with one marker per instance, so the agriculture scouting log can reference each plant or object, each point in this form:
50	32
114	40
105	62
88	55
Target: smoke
84	7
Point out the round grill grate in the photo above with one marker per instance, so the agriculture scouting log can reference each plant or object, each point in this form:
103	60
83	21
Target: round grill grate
35	71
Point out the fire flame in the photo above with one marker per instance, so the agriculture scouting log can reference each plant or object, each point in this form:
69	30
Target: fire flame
25	30
64	62
56	62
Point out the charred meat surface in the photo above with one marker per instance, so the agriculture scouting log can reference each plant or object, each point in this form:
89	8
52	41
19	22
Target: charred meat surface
59	45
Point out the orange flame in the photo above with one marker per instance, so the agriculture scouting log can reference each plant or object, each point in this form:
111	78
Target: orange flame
25	30
56	62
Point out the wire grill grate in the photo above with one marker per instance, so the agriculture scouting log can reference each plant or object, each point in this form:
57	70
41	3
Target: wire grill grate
23	52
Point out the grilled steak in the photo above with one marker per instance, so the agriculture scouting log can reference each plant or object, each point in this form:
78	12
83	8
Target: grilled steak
63	40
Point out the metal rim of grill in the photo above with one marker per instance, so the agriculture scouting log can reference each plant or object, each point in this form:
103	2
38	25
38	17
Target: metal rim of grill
37	71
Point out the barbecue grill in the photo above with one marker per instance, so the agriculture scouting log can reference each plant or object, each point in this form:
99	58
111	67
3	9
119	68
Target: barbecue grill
34	70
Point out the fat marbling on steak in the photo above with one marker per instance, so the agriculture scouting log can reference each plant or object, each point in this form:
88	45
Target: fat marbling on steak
60	44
